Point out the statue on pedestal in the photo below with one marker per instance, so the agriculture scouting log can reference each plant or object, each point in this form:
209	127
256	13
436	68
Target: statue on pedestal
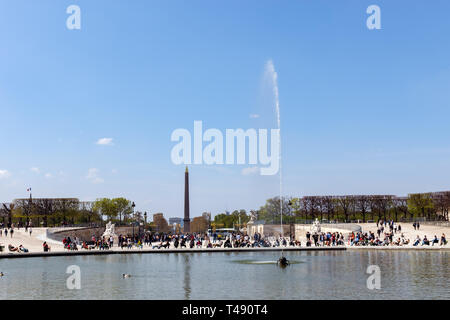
253	216
110	230
315	228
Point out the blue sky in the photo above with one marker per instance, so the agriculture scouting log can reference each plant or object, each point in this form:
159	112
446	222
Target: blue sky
362	111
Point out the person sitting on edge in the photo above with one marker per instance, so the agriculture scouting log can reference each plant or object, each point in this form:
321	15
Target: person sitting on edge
276	243
355	240
12	248
425	241
416	243
46	247
157	245
443	240
166	245
217	245
435	240
23	249
227	244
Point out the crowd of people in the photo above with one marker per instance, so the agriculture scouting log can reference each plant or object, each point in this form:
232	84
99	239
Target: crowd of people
6	230
388	233
202	240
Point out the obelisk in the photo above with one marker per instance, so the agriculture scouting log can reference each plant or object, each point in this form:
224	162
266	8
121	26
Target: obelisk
187	219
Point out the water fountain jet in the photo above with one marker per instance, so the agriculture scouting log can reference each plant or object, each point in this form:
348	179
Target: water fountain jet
273	77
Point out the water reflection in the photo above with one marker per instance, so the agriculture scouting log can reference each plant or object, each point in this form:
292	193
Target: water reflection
187	276
320	275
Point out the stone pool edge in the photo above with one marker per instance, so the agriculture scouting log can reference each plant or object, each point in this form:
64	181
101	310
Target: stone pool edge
204	250
157	251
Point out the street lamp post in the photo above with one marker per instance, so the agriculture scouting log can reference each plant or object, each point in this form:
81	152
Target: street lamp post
291	225
133	205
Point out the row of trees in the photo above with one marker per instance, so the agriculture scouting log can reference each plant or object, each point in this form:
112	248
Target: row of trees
237	218
118	210
431	206
63	211
48	212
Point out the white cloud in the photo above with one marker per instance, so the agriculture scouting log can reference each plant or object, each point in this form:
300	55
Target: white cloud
105	142
92	173
93	177
4	174
35	170
114	171
48	175
254	115
97	181
250	171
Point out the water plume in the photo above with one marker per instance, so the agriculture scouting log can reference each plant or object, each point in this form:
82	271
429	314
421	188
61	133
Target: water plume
272	76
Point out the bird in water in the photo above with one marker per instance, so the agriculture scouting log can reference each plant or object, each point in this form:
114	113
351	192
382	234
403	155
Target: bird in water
126	275
1	274
283	262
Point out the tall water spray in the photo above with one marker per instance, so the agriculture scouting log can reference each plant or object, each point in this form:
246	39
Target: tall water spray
273	77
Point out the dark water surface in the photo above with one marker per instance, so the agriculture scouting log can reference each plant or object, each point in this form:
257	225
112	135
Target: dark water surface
316	275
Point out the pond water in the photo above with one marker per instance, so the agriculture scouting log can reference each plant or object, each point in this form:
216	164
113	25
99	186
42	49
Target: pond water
233	275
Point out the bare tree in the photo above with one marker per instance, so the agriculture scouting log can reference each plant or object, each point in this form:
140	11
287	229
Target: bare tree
6	212
384	204
311	206
345	203
329	204
363	205
44	207
441	204
402	206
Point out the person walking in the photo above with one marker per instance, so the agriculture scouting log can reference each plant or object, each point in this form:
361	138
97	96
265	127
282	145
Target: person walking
30	231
